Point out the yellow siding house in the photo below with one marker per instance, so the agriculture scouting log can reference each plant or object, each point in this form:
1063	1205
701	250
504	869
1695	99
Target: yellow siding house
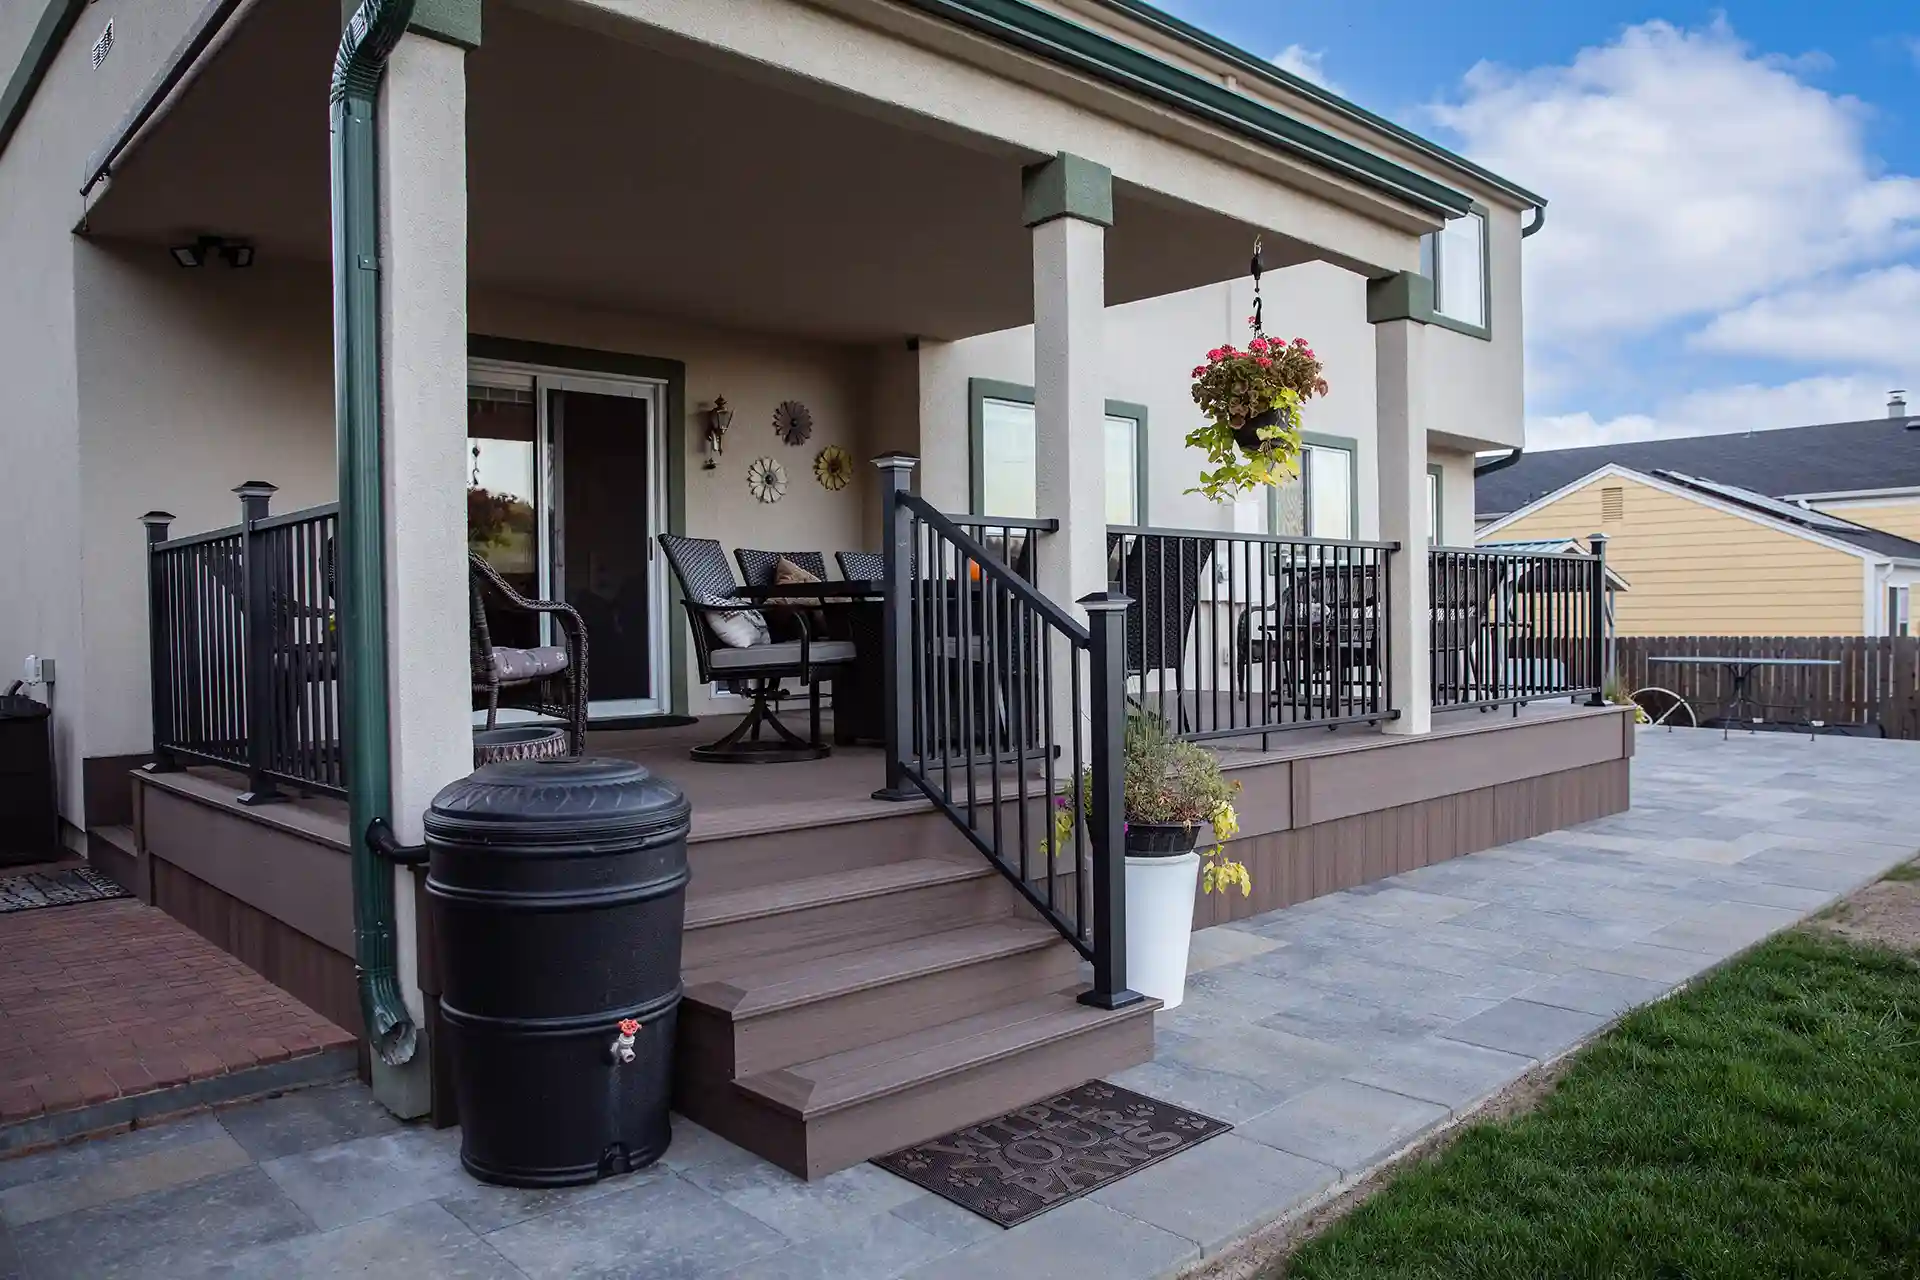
1712	559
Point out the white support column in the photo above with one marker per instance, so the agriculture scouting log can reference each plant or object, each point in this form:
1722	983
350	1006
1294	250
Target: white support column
1069	206
1395	306
423	253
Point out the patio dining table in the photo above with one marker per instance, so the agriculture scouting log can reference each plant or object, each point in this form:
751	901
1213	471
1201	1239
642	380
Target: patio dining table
1740	669
859	714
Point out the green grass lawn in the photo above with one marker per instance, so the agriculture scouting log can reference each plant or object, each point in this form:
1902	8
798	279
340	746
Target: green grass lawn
1764	1123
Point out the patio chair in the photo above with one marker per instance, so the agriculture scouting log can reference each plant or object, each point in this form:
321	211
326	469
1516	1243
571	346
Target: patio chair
1461	603
755	670
1162	574
862	566
549	680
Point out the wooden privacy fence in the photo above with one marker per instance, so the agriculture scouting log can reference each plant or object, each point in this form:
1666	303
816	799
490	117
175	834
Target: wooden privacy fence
1877	682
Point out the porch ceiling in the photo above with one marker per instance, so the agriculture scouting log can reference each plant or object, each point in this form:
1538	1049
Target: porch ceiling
650	175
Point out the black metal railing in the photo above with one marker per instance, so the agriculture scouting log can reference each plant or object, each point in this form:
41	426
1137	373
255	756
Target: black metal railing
1512	627
1015	543
245	650
1006	712
1232	635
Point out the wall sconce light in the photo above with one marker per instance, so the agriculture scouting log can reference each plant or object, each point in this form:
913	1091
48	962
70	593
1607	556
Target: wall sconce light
719	418
235	253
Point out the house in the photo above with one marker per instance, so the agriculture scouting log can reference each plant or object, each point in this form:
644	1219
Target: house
979	242
1866	471
1707	557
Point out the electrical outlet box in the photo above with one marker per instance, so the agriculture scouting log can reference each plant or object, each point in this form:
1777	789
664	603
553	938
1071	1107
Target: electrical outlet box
39	670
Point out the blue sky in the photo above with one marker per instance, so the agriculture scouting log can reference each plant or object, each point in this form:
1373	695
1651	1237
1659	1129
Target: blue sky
1733	241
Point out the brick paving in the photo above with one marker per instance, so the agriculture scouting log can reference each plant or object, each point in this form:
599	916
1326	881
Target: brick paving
105	999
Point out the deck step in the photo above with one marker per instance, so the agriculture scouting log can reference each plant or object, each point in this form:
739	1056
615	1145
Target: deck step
843	911
832	1112
777	1010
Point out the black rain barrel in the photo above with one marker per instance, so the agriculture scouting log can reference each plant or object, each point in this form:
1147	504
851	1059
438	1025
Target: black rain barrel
29	816
559	891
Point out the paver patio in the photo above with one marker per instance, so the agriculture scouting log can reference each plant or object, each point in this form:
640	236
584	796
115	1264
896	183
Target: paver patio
1331	1034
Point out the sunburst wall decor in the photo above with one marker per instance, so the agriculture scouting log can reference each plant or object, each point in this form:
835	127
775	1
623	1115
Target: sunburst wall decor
766	480
833	468
793	422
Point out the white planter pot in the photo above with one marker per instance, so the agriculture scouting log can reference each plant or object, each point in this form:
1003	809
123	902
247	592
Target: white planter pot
1160	924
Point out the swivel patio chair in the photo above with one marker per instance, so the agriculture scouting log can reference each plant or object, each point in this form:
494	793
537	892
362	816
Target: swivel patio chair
862	566
754	670
1162	574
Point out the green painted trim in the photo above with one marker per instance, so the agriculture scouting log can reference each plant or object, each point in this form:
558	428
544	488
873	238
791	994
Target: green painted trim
1259	68
43	43
1439	474
1066	186
674	374
455	21
981	390
1068	44
1485	328
1138	412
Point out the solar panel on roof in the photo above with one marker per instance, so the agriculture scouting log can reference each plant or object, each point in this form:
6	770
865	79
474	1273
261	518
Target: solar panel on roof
1785	510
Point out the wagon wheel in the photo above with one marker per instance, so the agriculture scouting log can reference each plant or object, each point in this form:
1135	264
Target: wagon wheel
1663	706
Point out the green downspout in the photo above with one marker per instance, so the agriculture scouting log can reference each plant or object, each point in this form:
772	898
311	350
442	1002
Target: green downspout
358	68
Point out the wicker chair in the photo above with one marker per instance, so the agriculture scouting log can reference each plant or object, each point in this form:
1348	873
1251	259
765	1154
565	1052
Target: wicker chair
550	680
862	566
707	587
1162	574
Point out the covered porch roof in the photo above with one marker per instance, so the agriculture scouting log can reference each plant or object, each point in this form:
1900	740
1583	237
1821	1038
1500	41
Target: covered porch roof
639	170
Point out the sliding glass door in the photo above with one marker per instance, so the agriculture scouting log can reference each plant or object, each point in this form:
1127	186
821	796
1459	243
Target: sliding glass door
565	496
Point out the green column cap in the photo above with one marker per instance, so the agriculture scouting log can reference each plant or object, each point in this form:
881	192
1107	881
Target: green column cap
1066	186
1405	295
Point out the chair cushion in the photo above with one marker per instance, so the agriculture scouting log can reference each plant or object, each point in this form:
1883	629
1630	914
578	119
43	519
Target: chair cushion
784	654
739	628
515	666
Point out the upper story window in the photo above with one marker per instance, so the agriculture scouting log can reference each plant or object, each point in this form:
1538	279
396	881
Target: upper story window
1005	460
1455	259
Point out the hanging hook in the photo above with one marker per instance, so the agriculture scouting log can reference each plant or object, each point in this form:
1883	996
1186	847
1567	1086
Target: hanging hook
1257	268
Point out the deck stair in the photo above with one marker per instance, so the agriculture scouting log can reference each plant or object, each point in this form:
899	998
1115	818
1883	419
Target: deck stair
836	1012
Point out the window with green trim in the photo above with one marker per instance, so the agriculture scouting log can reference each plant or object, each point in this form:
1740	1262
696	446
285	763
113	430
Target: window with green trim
1433	505
1320	502
1455	259
1005	455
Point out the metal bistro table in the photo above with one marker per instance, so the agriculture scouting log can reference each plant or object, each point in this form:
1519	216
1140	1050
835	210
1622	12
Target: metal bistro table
858	716
1740	670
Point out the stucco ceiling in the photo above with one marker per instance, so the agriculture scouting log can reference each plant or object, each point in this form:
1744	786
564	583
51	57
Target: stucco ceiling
660	177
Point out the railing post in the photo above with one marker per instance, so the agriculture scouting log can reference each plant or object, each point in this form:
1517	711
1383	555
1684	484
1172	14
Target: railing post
1598	618
1106	819
255	495
159	646
896	478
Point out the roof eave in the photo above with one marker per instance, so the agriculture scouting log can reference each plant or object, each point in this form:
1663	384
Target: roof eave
1263	69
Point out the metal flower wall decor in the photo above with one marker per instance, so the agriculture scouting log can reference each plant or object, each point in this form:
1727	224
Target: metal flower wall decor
833	468
767	480
793	422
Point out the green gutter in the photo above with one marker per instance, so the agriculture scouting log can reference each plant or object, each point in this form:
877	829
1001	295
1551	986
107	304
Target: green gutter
48	34
358	69
1261	69
1070	45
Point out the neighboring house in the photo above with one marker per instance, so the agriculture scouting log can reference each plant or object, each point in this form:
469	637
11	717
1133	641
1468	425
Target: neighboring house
1711	558
995	236
1867	471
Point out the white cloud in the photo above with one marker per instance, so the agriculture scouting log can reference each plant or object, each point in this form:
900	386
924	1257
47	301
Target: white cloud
1872	318
1748	407
1687	175
1308	64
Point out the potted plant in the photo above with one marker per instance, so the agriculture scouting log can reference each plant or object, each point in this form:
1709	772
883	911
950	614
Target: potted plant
1173	791
1252	400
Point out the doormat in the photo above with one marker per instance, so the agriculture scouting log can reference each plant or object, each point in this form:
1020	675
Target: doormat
56	889
1043	1155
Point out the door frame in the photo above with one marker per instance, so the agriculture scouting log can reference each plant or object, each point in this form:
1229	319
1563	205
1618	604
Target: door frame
543	368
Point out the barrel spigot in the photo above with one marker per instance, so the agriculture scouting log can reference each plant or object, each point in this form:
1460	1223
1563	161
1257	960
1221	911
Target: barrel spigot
622	1051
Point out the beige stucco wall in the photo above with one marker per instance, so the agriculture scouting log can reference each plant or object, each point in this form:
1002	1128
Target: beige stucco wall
1151	348
1895	515
1694	570
40	488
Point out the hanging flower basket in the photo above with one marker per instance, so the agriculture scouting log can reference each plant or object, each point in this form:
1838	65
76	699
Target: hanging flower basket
1252	400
